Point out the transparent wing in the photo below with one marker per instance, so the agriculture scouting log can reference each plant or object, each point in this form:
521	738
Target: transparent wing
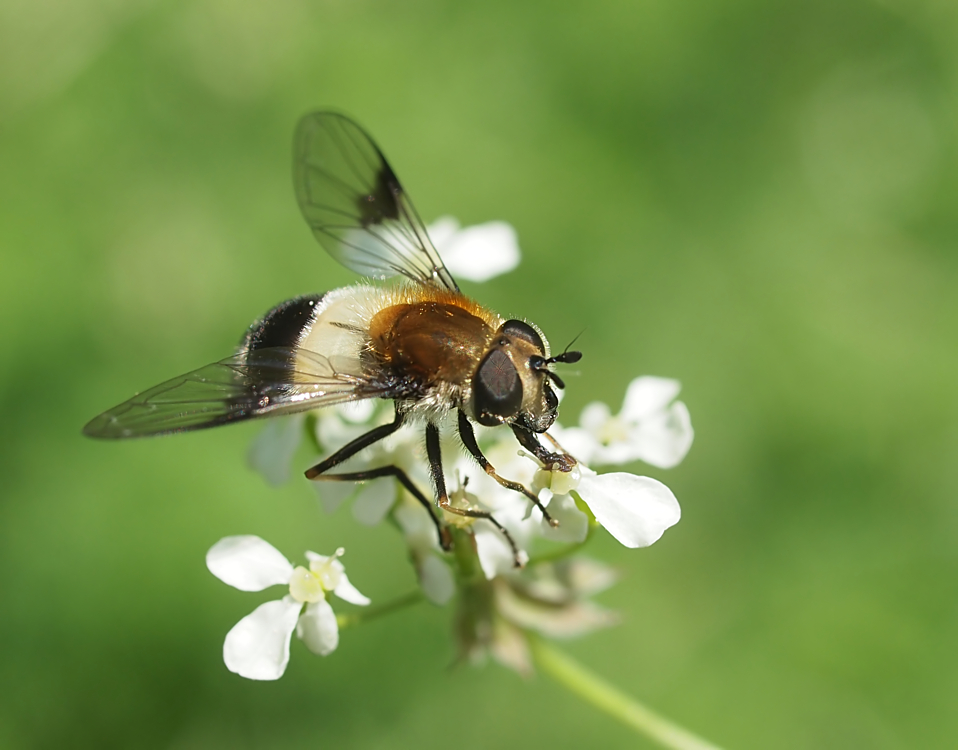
350	197
261	383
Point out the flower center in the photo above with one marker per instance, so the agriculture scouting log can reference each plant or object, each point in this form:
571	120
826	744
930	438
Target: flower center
328	570
560	482
613	431
459	498
306	586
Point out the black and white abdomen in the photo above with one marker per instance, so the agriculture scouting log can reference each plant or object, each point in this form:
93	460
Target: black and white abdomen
285	326
323	335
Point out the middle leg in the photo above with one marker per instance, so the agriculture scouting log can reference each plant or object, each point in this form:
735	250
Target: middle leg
434	454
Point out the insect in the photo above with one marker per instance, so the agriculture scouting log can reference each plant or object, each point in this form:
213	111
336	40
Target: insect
421	343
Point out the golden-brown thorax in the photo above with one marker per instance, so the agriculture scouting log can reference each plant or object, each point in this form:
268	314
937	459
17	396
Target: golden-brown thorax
435	341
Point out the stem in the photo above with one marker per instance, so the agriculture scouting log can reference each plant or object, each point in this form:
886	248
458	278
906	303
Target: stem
596	691
556	554
357	618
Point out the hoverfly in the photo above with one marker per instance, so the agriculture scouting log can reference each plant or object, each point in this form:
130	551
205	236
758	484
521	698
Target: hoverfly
421	344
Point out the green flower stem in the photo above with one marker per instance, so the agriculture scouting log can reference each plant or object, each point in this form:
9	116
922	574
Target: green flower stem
370	613
596	691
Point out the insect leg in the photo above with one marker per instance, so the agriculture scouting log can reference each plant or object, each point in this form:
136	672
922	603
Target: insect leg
552	461
354	446
468	436
445	539
442	498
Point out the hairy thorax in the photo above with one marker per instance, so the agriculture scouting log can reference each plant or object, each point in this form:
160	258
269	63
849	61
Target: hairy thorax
434	344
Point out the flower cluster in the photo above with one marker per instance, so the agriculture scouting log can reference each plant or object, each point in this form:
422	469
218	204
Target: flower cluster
258	645
498	606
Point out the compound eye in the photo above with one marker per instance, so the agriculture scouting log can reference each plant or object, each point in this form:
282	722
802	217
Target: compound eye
518	329
497	390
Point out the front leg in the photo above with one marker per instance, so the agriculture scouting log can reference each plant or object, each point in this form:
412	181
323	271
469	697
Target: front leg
468	436
551	461
434	454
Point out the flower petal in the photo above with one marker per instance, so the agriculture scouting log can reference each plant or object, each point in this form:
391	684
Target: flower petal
317	628
272	451
332	494
357	412
635	510
578	441
435	579
480	252
573	523
417	525
495	554
248	563
349	593
572	619
664	438
373	502
441	232
258	645
594	416
647	395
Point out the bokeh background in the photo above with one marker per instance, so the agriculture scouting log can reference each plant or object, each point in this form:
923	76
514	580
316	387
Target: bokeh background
756	198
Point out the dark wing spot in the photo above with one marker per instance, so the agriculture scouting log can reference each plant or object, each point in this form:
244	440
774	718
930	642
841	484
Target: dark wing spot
381	203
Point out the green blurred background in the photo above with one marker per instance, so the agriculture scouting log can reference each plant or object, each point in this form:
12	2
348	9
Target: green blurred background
755	198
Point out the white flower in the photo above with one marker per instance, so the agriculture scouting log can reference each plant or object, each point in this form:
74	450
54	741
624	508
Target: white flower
435	577
258	645
374	498
272	450
635	510
652	427
476	253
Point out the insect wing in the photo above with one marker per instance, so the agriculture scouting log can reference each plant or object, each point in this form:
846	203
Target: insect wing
263	382
350	197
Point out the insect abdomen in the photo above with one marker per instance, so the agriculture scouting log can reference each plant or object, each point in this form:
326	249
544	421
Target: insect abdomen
285	325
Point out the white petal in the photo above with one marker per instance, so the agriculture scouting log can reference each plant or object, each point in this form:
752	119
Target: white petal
374	500
481	252
332	494
647	395
348	593
588	577
594	416
579	442
664	438
272	451
248	563
635	510
357	412
333	432
258	645
317	628
495	554
436	579
623	451
572	619
573	523
417	526
441	231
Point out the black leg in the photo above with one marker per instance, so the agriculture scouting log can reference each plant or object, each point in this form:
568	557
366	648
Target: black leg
435	466
552	461
354	446
445	539
468	436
